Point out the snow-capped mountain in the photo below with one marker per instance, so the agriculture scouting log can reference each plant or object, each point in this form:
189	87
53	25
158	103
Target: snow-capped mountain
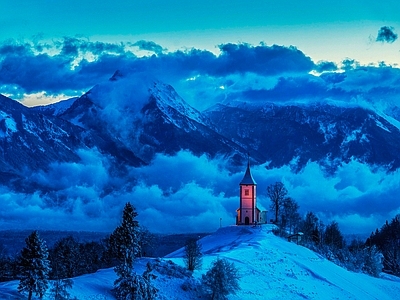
323	133
131	118
143	116
57	108
31	141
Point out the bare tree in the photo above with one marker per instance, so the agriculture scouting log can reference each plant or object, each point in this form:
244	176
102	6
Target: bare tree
277	194
290	215
193	255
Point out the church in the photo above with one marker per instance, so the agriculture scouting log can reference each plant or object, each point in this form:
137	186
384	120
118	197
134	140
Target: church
248	213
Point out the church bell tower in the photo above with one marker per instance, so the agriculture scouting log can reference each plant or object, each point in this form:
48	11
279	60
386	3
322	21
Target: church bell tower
248	213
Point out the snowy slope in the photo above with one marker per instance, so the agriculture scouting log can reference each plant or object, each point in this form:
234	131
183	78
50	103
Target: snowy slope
270	268
55	109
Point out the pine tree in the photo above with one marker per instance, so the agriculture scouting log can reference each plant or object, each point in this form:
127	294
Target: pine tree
124	244
333	237
65	258
65	264
372	261
124	241
131	286
59	289
150	290
34	266
221	280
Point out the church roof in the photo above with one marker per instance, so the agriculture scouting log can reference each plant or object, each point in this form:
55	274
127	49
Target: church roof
248	178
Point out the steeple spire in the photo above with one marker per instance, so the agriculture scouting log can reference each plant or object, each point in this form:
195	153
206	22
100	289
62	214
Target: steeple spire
248	178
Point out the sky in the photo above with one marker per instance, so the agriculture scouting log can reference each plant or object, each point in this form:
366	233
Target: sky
345	52
322	30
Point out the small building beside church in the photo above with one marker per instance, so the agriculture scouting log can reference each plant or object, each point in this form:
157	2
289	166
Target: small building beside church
248	213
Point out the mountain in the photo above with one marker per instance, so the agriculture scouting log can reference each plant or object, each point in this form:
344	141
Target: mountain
130	118
32	141
269	268
143	116
295	134
55	109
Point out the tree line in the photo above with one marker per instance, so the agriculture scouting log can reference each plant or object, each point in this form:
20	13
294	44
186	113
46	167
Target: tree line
328	240
41	271
387	241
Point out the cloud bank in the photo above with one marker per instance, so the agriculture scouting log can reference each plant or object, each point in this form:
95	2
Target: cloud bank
238	72
90	196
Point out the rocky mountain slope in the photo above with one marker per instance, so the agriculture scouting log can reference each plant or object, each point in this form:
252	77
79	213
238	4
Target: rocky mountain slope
131	118
327	134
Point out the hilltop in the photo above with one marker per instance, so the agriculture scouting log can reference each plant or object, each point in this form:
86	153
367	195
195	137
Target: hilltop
269	266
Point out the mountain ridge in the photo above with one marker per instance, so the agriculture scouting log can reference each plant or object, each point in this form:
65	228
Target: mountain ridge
131	119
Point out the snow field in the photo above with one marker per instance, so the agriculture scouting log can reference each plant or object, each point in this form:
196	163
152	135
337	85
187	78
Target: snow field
269	266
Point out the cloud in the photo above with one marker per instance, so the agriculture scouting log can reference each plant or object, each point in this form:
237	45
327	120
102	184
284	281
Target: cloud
324	66
386	34
262	59
149	46
241	72
73	65
63	67
90	196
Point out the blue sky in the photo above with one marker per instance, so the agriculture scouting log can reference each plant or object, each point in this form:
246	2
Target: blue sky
323	30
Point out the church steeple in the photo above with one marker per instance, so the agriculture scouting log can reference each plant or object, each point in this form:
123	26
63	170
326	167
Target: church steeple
248	178
248	213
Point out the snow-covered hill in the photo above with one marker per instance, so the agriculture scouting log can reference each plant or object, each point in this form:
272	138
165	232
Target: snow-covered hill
270	268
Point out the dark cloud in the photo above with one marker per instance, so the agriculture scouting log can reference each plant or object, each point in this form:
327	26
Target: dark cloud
72	46
333	77
29	72
149	46
73	65
261	59
289	89
325	66
386	35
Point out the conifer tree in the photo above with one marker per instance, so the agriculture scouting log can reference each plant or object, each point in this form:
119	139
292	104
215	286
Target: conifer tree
34	266
65	258
333	237
59	289
124	244
124	241
65	263
150	292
